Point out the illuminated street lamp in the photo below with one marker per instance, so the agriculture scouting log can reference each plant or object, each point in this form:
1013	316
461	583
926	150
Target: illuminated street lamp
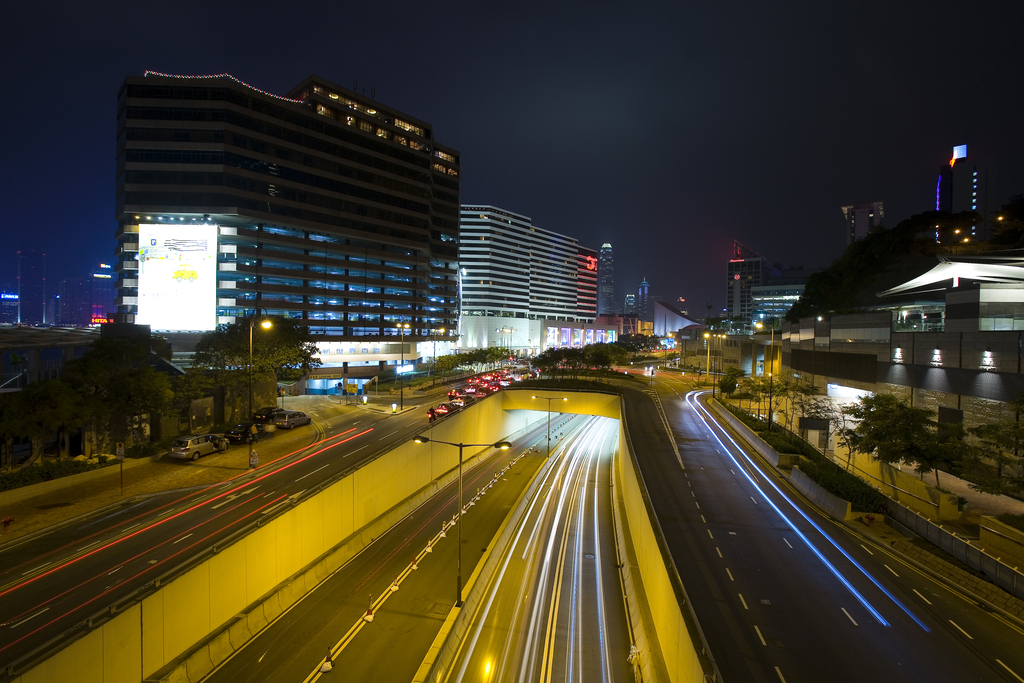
503	445
433	370
402	327
265	324
549	400
771	367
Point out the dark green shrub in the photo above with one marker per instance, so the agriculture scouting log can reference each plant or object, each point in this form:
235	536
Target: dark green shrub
833	479
48	470
1016	521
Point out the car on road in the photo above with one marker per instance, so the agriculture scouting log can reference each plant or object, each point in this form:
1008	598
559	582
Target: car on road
194	447
290	419
267	415
240	432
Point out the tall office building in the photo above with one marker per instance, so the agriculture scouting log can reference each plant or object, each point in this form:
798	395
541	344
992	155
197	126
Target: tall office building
322	205
86	300
607	303
586	283
629	305
31	287
861	219
644	303
746	269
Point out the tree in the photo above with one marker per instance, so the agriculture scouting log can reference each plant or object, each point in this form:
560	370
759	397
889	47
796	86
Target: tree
727	383
191	385
893	431
41	409
286	345
1000	443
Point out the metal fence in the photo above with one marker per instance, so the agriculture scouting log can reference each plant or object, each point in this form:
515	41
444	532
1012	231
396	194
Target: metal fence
1004	576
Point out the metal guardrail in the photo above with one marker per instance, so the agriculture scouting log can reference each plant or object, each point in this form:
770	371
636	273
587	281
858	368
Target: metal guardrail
1004	576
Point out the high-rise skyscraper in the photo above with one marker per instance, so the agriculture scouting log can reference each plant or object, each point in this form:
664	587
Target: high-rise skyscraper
745	270
607	303
861	218
31	287
644	303
629	305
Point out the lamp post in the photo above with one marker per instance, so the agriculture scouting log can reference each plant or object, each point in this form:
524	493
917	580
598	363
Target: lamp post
714	384
549	400
265	324
433	369
707	362
402	327
503	445
770	368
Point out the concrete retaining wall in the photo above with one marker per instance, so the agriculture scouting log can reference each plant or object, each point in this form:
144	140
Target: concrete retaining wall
998	538
244	586
831	505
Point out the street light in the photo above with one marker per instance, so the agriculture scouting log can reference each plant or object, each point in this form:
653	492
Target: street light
549	400
265	324
707	362
771	367
402	327
718	364
503	445
434	369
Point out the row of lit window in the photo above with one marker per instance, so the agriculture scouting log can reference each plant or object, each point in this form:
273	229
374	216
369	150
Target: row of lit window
444	169
369	127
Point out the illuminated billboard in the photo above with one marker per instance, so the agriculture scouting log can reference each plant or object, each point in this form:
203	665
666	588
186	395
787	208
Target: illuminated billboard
177	277
960	152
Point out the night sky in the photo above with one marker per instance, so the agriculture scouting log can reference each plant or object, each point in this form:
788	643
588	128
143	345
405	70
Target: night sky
666	129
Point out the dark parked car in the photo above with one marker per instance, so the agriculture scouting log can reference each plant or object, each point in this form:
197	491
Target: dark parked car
267	415
240	432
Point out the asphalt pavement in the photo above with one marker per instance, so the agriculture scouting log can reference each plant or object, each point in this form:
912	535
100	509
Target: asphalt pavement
783	593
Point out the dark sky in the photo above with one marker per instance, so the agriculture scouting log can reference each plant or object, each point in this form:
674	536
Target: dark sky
667	129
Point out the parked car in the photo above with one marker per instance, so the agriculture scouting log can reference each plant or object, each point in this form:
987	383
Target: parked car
194	447
290	419
267	415
240	432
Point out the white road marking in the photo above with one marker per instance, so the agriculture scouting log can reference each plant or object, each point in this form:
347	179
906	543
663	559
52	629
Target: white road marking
781	677
709	534
693	494
760	637
719	551
848	616
703	520
731	470
33	616
743	601
890	569
787	543
313	472
37	568
729	573
132	526
752	498
355	451
114	570
1012	672
697	504
969	636
866	549
88	546
922	597
181	539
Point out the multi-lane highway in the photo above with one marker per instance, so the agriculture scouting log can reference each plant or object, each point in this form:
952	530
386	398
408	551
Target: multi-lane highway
785	594
554	609
49	585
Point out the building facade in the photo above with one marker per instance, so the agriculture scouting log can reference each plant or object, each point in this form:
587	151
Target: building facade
860	219
321	205
745	270
644	304
607	302
32	287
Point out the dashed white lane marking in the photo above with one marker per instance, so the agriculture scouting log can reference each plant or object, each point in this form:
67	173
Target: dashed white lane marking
752	498
969	636
709	534
693	494
729	573
703	520
719	551
33	616
697	504
129	528
313	472
890	569
759	636
1012	672
921	596
848	616
181	539
37	568
88	546
781	677
787	543
743	601
866	549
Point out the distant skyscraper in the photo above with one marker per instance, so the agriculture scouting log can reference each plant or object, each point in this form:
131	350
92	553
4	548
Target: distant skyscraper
644	303
629	307
86	300
746	269
861	218
31	287
607	303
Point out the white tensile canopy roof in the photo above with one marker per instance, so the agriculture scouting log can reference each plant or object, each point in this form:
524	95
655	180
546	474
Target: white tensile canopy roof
1008	272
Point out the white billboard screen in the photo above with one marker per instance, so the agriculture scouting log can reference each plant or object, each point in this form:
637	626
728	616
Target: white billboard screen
177	277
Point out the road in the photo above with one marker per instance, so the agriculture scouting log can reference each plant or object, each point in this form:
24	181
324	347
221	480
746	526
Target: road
51	583
554	609
785	594
405	621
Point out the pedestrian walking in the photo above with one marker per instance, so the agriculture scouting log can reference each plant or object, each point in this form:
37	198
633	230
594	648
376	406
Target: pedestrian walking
254	460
